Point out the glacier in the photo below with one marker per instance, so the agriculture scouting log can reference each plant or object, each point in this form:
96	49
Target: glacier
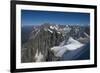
71	45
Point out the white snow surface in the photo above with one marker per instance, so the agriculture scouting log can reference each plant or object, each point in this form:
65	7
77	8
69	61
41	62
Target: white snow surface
51	27
71	45
38	56
54	27
50	30
58	32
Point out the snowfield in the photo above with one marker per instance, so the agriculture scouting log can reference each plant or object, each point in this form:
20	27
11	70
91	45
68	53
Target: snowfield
71	45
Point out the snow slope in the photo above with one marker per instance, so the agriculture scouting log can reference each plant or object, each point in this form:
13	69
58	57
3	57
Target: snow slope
71	45
38	56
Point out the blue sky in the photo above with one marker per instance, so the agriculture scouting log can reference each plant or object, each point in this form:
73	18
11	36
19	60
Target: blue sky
33	17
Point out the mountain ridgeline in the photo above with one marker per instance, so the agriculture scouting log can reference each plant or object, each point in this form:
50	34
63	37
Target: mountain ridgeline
41	43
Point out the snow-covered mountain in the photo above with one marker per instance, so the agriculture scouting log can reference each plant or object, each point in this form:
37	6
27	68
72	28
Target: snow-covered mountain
50	42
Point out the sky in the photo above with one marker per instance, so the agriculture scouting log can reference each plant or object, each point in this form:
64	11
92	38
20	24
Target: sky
33	17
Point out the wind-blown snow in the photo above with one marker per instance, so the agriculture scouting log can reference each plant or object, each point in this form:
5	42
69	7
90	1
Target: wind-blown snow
38	56
71	45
